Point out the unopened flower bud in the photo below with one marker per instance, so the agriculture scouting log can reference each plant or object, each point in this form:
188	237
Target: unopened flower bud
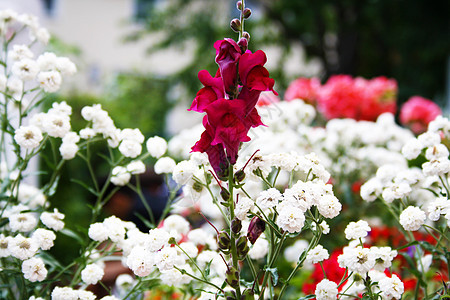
232	277
235	25
197	186
236	225
239	5
256	227
230	295
242	247
243	44
225	194
223	172
246	35
172	241
247	13
248	294
223	240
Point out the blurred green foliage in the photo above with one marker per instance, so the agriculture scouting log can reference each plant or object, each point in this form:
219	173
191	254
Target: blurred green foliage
405	40
133	101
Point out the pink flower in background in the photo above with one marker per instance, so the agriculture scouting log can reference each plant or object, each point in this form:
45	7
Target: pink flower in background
303	88
343	96
417	112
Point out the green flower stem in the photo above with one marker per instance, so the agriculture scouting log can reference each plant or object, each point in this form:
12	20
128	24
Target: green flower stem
234	255
182	271
192	261
314	242
135	287
138	190
273	255
276	176
254	273
241	30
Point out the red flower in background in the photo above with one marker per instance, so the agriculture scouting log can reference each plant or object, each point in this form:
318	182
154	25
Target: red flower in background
303	88
417	112
357	98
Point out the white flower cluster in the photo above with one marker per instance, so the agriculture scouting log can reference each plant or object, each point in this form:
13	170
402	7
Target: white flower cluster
420	185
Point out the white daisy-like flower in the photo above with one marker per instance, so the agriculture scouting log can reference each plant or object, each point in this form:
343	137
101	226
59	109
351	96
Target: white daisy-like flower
28	137
391	288
141	261
130	148
22	247
120	176
412	218
356	230
269	198
92	274
50	81
136	167
176	223
64	293
156	146
68	150
183	172
358	259
166	258
44	238
329	206
156	239
291	219
98	232
34	269
25	69
243	206
326	290
4	245
383	257
317	254
53	220
23	222
56	125
164	165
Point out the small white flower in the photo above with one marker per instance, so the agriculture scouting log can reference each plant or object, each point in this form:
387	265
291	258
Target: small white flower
92	274
98	232
291	219
65	66
28	137
25	69
4	245
164	165
412	218
136	167
68	150
156	146
34	269
120	176
115	228
436	151
391	287
156	239
326	290
358	259
53	220
437	207
292	253
20	52
130	148
317	254
412	149
259	249
64	293
243	206
87	133
177	224
47	61
50	81
22	247
269	198
56	125
166	258
183	172
44	238
329	206
429	139
356	230
23	222
383	257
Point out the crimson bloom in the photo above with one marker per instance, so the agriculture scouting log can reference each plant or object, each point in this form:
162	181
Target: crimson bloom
303	88
417	112
230	108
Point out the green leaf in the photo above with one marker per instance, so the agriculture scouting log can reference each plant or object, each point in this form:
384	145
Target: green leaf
72	234
208	268
274	273
90	189
407	245
312	296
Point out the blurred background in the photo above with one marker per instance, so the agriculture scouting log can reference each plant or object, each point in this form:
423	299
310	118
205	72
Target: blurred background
140	58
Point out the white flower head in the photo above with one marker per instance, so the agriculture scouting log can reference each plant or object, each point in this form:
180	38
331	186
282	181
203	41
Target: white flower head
156	146
329	206
391	288
50	81
44	238
291	219
176	223
130	148
34	269
383	257
25	69
259	249
28	137
360	260
156	239
56	125
317	254
136	167
164	165
19	52
53	220
326	290
166	258
243	206
92	274
4	245
68	150
22	247
269	198
23	222
183	172
356	230
412	149
412	218
98	232
120	176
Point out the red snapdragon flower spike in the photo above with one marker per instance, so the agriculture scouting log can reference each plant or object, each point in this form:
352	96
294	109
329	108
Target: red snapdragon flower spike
226	117
212	91
228	54
417	112
216	153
